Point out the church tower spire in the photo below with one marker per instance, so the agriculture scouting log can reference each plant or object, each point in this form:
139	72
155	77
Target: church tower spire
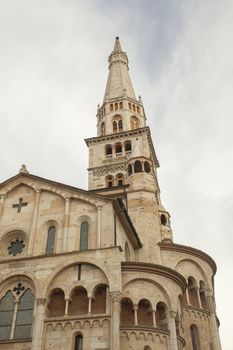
122	159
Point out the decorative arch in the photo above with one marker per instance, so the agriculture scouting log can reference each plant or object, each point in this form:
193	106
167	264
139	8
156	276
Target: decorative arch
180	268
145	313
109	181
102	128
119	179
56	303
161	315
192	291
98	305
127	312
78	302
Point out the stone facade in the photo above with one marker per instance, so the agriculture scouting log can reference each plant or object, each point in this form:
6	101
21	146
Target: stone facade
98	269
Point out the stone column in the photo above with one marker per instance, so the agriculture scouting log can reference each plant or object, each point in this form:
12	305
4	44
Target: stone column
98	243
172	328
66	224
34	222
213	323
67	306
107	301
2	200
198	297
135	307
37	333
115	320
14	319
89	305
154	319
187	296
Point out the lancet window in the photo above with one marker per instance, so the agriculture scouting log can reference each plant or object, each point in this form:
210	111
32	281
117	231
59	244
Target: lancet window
16	314
102	127
109	181
78	342
50	240
194	337
84	235
134	123
117	124
120	180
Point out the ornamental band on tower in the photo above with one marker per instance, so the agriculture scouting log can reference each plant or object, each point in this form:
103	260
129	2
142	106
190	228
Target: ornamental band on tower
98	268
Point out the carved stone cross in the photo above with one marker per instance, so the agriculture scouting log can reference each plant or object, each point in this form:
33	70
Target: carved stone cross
20	205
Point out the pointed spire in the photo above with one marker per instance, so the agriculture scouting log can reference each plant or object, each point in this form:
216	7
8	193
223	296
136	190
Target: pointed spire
119	84
117	46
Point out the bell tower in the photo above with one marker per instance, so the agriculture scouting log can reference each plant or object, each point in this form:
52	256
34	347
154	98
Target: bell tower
122	159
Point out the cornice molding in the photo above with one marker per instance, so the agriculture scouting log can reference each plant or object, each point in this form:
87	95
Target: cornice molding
191	251
155	269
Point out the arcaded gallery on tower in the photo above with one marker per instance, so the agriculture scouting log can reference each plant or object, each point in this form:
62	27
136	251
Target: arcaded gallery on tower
98	268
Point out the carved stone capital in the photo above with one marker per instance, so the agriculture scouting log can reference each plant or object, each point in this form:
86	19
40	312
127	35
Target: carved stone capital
172	314
40	301
115	296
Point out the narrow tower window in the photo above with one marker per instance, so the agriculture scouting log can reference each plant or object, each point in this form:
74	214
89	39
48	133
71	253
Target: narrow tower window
84	236
79	342
147	167
109	181
163	219
102	129
119	180
121	105
111	107
116	106
50	240
114	126
134	123
130	107
120	125
194	337
118	148
130	169
137	166
108	150
128	147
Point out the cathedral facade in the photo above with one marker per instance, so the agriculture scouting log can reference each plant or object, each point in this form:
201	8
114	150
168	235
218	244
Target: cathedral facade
98	269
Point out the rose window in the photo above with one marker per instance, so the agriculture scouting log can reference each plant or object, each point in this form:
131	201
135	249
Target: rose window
16	247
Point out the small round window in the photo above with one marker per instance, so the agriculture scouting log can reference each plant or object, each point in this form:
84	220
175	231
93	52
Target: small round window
16	247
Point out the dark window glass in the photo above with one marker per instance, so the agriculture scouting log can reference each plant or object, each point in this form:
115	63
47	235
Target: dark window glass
6	315
194	337
24	316
114	125
118	149
147	167
84	236
50	240
128	147
79	342
137	166
109	150
120	125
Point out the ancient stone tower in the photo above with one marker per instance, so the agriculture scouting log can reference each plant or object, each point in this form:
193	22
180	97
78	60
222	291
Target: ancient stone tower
98	269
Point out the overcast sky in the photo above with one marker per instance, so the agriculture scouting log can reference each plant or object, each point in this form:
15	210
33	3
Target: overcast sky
53	71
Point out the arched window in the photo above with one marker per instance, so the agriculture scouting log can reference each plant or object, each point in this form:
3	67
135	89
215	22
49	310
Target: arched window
145	314
130	169
138	109
128	147
109	181
161	315
202	294
134	123
111	107
79	302
194	337
121	105
56	304
134	108
137	166
147	167
120	125
108	150
130	107
84	236
50	240
98	305
118	148
22	313
79	342
127	312
192	290
102	127
116	106
114	126
120	180
24	316
163	219
7	306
